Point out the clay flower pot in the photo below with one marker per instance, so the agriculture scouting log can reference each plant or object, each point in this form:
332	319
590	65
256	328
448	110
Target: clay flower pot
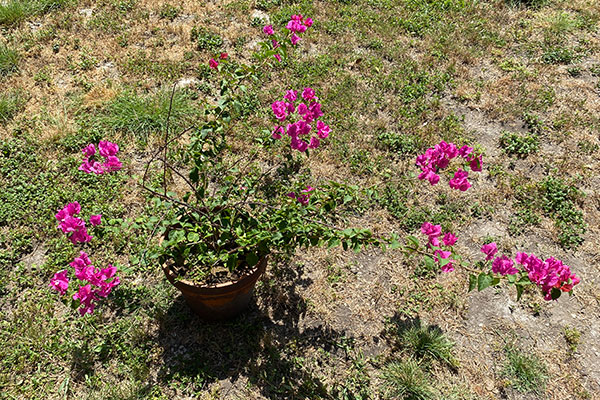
220	301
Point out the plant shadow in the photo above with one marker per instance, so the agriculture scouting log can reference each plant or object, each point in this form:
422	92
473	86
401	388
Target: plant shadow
262	348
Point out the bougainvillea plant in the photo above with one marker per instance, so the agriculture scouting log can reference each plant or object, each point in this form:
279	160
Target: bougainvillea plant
306	115
552	276
277	45
91	283
438	158
108	151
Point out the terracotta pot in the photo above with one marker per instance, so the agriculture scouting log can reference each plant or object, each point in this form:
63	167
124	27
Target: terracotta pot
221	301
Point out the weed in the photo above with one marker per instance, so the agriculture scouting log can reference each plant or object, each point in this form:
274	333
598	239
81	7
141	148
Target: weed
587	147
527	3
521	220
140	116
425	343
11	103
206	40
9	60
405	380
573	337
402	144
558	55
13	12
524	372
519	145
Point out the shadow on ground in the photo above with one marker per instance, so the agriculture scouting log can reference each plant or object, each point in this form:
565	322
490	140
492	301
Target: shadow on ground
261	346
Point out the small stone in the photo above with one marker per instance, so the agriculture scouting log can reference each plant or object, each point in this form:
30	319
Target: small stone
263	16
86	12
187	82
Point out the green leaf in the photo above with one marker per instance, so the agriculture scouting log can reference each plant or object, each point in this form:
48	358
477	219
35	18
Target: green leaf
520	289
193	237
483	281
555	293
334	243
429	262
472	282
413	240
252	259
395	244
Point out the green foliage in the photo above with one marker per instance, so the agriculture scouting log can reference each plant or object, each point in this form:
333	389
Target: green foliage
558	55
404	145
519	145
426	344
527	3
573	338
9	60
169	11
206	40
13	12
142	116
559	201
522	219
525	372
11	103
405	380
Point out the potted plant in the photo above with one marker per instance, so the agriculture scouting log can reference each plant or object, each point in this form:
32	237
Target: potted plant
236	210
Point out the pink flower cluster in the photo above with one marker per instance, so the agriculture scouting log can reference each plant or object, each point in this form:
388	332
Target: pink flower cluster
308	113
304	197
438	158
433	232
94	282
74	227
214	63
548	275
296	25
107	150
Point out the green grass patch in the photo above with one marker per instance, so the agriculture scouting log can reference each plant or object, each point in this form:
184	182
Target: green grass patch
11	103
13	12
405	380
205	39
519	145
141	116
524	372
9	60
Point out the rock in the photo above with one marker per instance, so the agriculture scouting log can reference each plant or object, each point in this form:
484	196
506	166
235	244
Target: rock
187	82
263	16
86	12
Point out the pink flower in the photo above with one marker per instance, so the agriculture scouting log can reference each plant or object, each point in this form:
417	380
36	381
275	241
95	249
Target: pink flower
223	56
86	299
60	282
475	164
308	94
275	44
69	210
448	267
80	236
268	30
107	148
449	239
503	266
277	132
308	22
111	164
279	109
291	95
95	220
431	176
213	63
278	57
294	39
302	109
89	150
322	130
460	181
465	151
489	250
71	224
91	167
314	142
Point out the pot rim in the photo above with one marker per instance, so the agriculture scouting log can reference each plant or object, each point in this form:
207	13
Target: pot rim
245	280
